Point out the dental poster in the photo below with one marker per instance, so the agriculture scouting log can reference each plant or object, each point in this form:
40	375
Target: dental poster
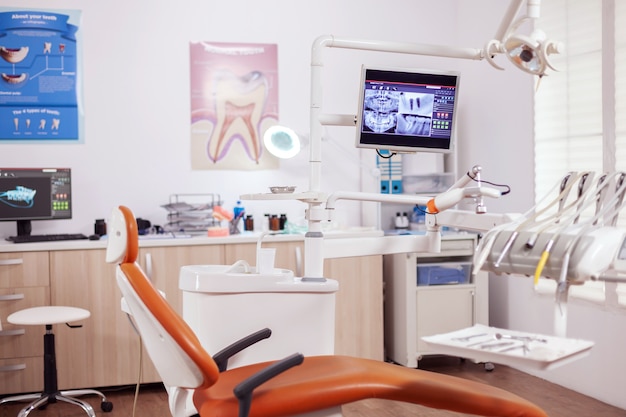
234	99
39	76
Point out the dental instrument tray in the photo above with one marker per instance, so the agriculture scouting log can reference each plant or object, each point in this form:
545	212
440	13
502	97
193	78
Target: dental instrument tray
507	347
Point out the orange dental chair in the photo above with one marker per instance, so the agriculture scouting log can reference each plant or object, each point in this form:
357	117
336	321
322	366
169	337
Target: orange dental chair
287	387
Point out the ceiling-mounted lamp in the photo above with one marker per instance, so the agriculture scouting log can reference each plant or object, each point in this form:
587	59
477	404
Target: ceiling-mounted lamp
530	53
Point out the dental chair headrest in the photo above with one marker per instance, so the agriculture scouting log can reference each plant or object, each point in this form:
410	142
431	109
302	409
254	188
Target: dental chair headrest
123	240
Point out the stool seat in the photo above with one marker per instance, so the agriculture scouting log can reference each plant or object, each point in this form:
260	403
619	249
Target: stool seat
48	315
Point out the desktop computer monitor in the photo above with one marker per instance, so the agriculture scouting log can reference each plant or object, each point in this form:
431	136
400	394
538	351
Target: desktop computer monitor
407	110
28	194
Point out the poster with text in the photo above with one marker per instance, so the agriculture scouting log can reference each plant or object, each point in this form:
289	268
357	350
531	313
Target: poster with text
39	100
234	99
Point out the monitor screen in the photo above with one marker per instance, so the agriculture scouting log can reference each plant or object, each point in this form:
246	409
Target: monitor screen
407	110
34	194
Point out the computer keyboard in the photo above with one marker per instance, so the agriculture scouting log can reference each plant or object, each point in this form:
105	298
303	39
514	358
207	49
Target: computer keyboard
46	238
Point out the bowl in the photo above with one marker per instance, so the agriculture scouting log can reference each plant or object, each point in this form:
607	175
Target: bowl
283	189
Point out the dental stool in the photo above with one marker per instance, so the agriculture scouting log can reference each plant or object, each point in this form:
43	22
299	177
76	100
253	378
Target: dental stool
49	315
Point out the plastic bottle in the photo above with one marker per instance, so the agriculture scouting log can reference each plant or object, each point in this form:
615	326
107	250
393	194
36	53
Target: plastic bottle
266	222
405	221
238	210
282	221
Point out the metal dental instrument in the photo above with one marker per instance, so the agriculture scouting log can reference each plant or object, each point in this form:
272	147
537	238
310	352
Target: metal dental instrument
563	192
600	196
521	338
468	338
566	185
620	197
494	345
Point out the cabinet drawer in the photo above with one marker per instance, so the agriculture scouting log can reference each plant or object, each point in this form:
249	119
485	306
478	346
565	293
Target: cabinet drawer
21	375
24	269
13	342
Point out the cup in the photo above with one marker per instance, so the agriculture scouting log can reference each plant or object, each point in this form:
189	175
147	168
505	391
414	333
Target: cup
265	260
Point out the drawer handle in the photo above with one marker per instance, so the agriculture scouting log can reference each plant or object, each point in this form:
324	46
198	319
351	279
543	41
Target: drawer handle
10	297
17	367
11	262
15	332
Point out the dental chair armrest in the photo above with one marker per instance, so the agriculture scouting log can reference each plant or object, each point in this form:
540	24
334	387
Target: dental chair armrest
221	358
243	390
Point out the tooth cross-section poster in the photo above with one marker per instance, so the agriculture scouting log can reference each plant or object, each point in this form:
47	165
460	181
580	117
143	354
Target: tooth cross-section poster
39	99
234	99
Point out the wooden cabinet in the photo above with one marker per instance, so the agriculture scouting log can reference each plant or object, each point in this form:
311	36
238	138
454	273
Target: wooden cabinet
413	311
359	307
24	283
162	265
105	351
110	352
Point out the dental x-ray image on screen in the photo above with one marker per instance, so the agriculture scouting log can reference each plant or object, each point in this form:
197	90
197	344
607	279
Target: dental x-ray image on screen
34	194
407	110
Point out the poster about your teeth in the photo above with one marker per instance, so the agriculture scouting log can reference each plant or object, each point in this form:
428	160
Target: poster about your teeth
39	99
234	99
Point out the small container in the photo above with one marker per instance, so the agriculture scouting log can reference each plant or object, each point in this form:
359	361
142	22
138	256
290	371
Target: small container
282	221
249	223
266	222
100	227
274	222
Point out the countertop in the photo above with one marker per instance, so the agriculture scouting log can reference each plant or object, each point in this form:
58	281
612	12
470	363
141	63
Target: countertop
168	240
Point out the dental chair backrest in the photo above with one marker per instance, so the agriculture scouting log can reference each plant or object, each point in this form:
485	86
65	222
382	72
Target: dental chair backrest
172	353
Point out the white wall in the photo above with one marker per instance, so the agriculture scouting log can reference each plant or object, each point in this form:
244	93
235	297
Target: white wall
136	96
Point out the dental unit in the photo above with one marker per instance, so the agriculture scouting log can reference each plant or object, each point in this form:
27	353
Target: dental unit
529	244
535	53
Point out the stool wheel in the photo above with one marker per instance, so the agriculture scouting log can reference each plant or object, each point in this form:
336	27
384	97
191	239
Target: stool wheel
106	406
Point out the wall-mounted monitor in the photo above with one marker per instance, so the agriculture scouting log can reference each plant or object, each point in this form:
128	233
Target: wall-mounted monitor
35	194
407	110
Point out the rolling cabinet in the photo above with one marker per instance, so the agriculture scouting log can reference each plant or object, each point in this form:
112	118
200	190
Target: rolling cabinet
24	283
416	307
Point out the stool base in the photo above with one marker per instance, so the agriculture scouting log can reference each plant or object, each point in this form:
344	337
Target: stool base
43	399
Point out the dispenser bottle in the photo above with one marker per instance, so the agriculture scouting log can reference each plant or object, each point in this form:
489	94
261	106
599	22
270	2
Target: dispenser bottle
238	210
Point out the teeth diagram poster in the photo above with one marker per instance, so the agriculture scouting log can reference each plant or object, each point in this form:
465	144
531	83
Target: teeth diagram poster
39	86
234	99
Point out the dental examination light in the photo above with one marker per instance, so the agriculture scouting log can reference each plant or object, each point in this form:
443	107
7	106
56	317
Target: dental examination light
530	53
281	141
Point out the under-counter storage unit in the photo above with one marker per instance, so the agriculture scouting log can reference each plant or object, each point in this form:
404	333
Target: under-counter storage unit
431	293
105	351
24	283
